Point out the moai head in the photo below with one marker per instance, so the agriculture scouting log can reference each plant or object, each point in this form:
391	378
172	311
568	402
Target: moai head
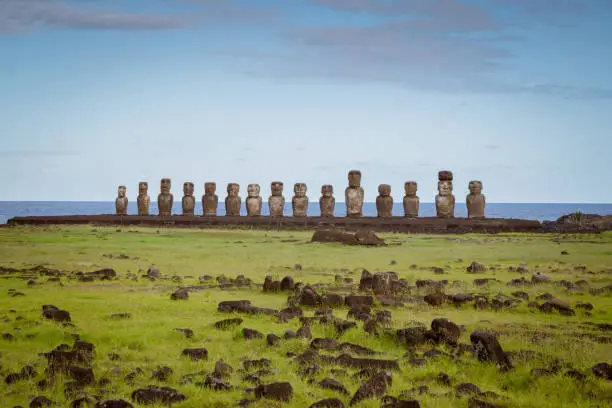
121	191
327	190
253	190
165	185
277	188
411	188
299	189
475	187
445	183
354	178
143	188
384	190
232	189
188	188
210	188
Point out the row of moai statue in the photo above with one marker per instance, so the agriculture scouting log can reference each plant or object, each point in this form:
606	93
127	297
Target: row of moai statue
354	196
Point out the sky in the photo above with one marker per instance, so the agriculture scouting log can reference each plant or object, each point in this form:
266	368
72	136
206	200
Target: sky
98	93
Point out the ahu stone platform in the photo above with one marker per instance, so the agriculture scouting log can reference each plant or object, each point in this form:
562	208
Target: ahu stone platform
386	224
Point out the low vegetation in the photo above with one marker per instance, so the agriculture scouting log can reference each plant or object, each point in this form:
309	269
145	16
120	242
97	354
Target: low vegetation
148	301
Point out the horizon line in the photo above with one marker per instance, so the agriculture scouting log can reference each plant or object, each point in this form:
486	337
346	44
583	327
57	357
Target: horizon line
315	202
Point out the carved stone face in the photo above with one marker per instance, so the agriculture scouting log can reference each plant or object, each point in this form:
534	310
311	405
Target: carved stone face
327	190
277	188
232	189
210	188
165	185
299	189
354	178
384	190
121	191
253	190
143	188
411	188
475	187
445	188
188	189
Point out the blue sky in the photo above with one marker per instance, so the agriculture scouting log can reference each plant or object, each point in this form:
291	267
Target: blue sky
515	93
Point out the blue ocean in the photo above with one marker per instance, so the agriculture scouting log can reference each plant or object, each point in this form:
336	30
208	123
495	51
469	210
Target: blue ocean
530	211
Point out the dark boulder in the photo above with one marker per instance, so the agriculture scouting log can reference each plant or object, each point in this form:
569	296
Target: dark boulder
157	395
328	403
195	353
114	403
476	267
487	349
280	391
603	370
251	334
228	323
375	387
181	294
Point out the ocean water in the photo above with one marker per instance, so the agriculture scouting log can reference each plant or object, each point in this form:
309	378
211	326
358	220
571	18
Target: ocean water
530	211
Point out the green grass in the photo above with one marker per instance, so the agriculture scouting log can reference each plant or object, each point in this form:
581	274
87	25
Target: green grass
147	339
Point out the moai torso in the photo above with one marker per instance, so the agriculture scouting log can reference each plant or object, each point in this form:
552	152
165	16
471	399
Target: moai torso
276	202
143	199
121	203
165	200
445	200
232	201
188	199
475	201
384	201
354	195
327	202
411	200
299	202
210	200
253	201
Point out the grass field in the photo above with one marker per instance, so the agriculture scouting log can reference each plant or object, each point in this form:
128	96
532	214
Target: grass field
147	340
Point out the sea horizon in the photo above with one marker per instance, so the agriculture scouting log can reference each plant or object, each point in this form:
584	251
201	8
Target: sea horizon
540	211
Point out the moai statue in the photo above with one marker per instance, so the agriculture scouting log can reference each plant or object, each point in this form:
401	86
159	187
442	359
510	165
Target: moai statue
299	203
165	199
354	195
411	200
210	200
327	202
445	200
276	202
143	199
188	199
121	203
232	201
253	201
384	201
475	201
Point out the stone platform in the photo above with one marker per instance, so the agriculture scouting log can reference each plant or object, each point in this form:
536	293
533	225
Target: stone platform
390	224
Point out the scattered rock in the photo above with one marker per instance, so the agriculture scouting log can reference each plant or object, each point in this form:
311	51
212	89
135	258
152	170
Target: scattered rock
40	402
250	334
228	323
328	403
487	349
115	403
157	395
374	387
272	339
281	391
603	370
348	238
195	353
467	389
476	267
181	294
